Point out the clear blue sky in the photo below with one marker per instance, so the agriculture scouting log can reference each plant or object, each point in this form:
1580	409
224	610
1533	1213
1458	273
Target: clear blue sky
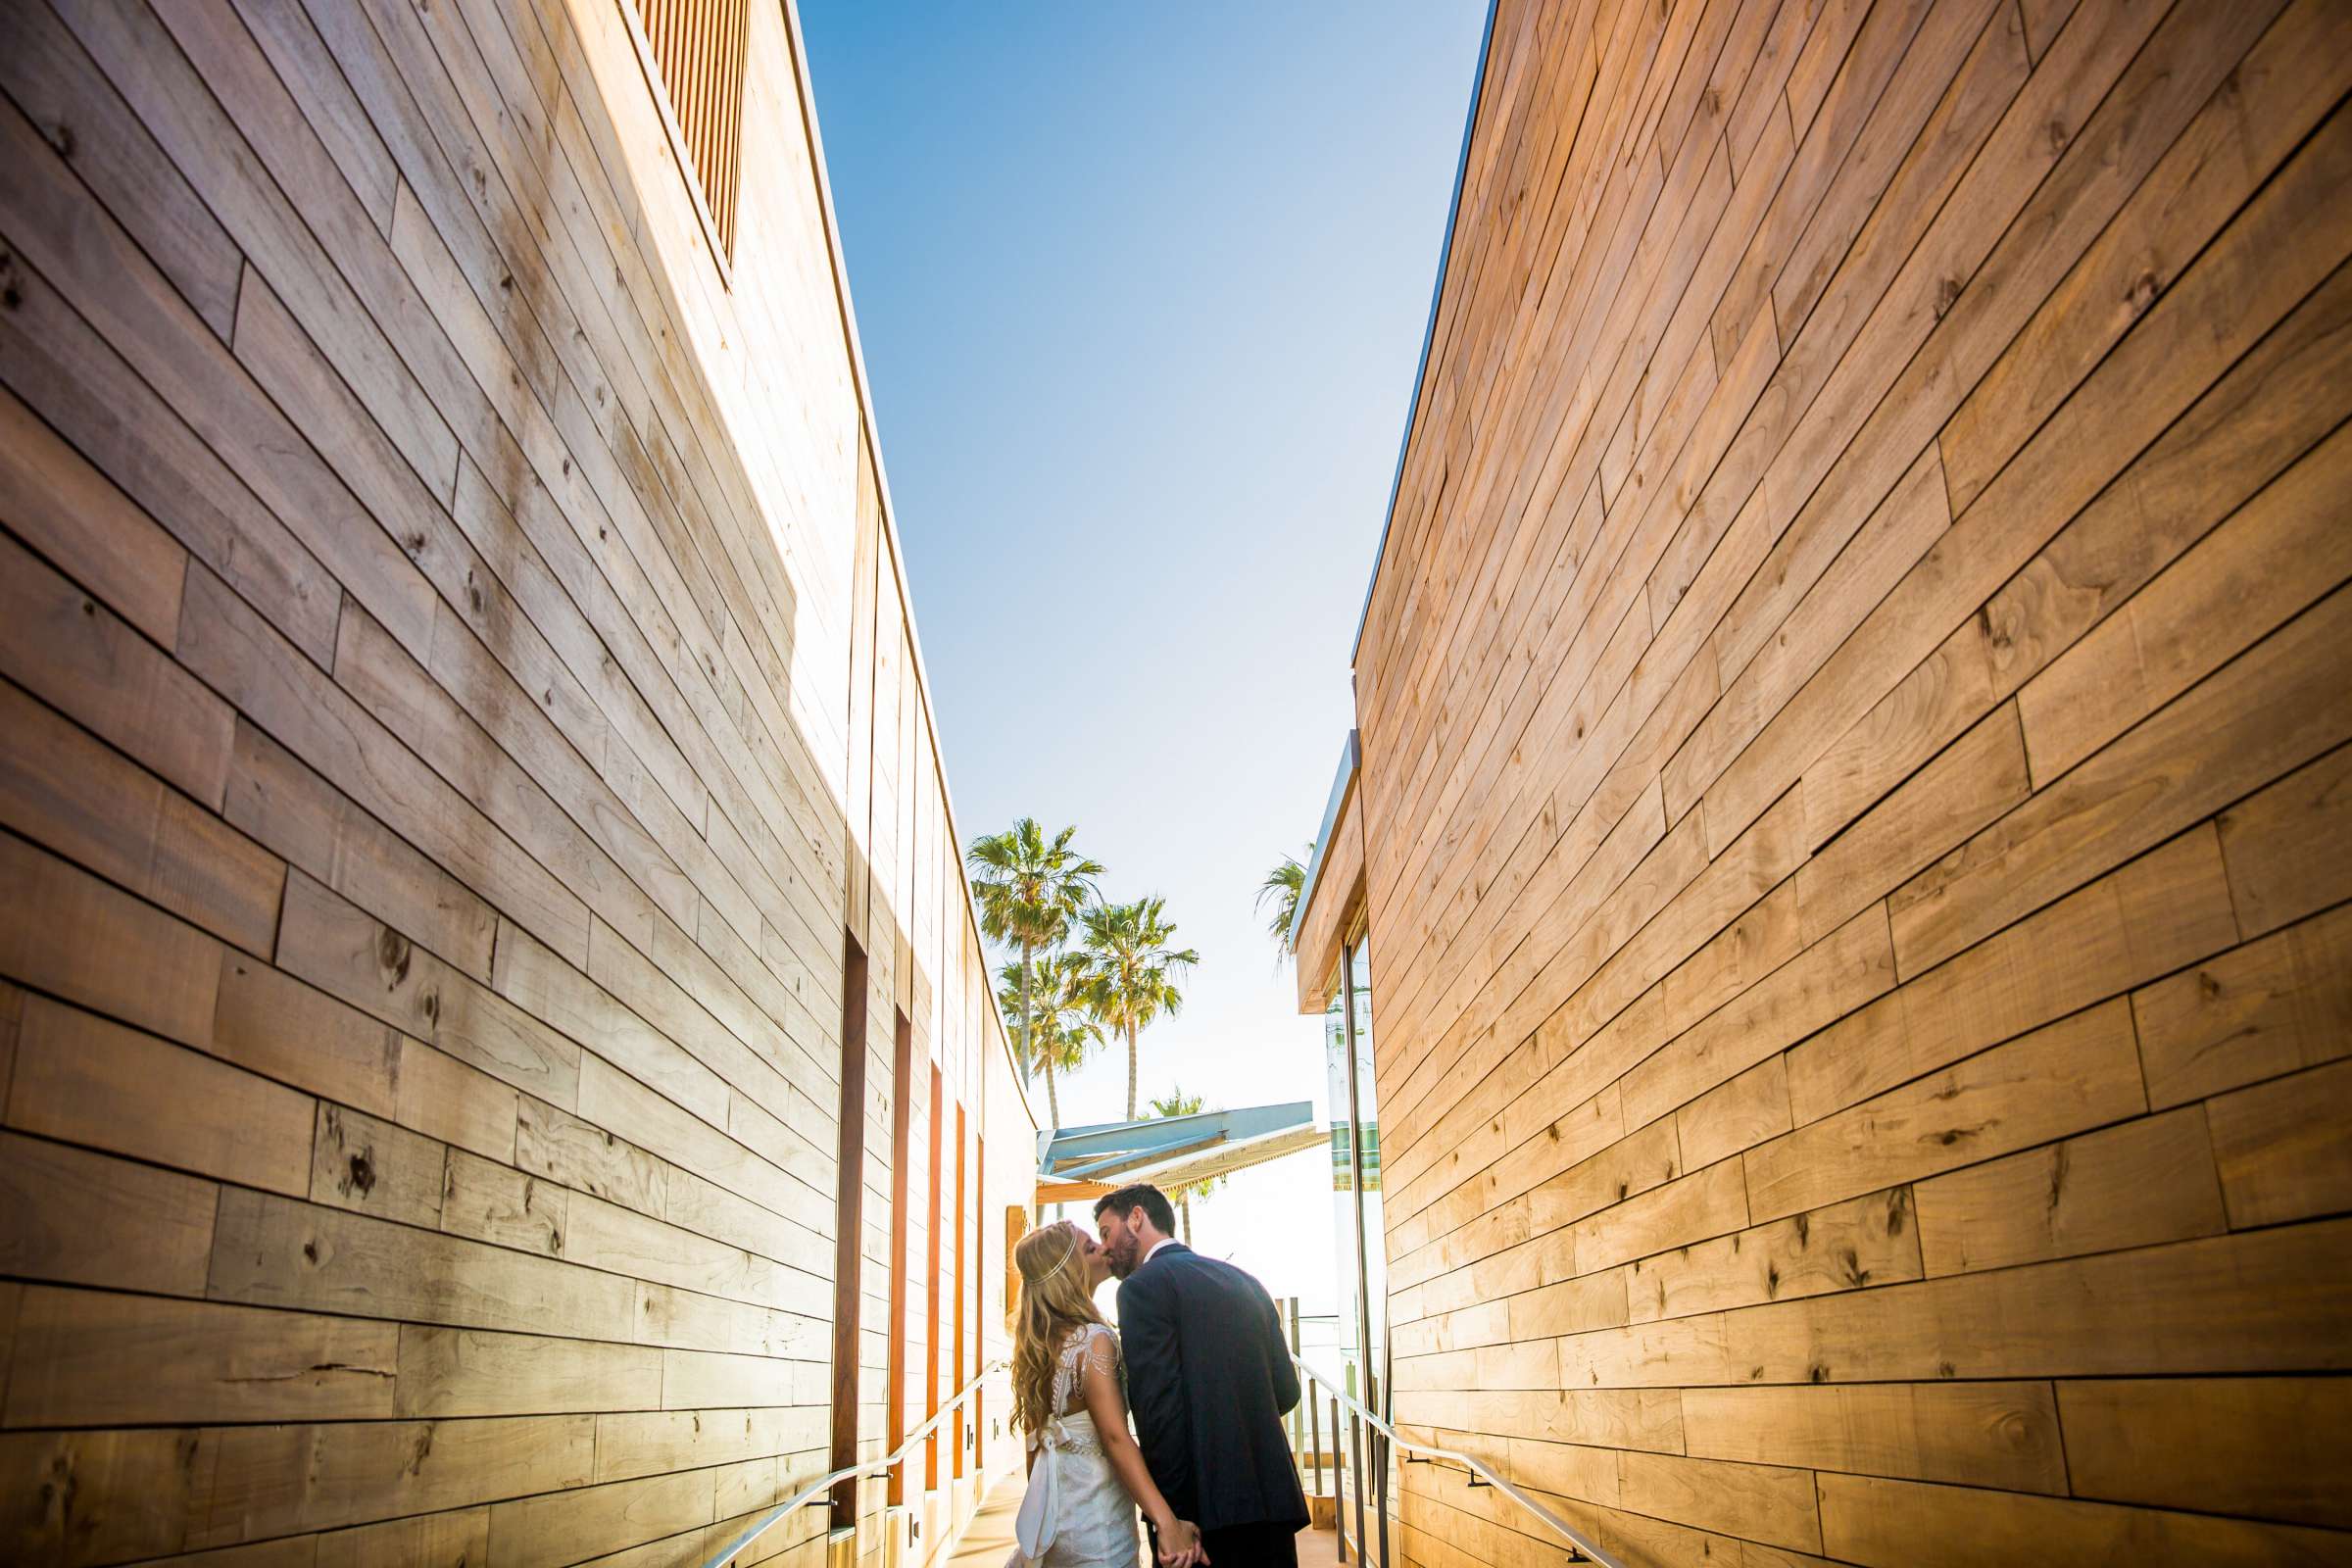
1142	292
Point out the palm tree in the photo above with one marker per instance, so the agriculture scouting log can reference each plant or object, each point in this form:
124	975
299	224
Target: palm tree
1131	972
1179	1104
1028	892
1063	1030
1283	885
1027	1054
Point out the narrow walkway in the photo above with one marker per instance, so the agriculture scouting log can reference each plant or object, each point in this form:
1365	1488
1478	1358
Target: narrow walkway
988	1541
1317	1548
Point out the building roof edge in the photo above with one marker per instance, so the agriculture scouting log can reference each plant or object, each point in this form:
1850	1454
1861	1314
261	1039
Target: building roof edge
1429	332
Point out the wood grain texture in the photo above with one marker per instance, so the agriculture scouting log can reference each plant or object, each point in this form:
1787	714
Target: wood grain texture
446	758
1853	808
2266	1446
199	1357
1866	1520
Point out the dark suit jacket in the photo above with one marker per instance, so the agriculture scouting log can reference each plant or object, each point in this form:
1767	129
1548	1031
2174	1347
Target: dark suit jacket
1210	1379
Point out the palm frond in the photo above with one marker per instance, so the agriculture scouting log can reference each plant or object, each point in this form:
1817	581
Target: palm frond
1029	890
1176	1102
1283	888
1131	971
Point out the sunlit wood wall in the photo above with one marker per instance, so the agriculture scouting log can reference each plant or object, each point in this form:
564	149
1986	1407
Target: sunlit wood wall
1857	810
458	702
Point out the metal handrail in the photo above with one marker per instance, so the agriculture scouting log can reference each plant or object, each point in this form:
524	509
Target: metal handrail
818	1489
1576	1542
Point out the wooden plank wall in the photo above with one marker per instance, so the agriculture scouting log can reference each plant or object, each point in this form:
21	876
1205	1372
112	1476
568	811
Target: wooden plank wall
1858	815
459	696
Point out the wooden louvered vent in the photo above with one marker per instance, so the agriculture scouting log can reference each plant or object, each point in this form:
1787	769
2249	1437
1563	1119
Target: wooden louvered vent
699	47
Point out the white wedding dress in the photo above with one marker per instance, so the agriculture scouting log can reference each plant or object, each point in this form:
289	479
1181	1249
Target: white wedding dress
1075	1513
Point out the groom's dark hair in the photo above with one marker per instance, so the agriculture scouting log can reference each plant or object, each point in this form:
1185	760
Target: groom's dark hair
1146	1197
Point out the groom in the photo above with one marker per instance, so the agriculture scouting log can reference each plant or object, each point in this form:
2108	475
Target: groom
1209	1380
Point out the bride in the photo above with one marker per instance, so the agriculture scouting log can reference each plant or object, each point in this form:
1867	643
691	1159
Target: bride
1086	1475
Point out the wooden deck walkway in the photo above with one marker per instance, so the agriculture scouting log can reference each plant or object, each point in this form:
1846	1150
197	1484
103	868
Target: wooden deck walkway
987	1542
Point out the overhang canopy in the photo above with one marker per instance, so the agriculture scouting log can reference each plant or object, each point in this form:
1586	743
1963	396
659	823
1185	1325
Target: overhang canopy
1171	1150
1053	1191
1331	901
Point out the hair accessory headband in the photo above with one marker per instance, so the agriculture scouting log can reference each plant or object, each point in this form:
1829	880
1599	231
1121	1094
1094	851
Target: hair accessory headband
1061	1262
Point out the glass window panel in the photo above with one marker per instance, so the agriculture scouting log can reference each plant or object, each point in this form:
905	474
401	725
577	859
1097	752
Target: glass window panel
1374	1263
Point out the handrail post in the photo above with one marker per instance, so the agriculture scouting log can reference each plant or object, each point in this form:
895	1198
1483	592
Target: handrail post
1355	1471
1380	1484
1296	1424
1314	1436
1338	1526
1580	1550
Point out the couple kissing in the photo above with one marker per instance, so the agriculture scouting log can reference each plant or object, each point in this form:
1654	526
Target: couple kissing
1203	1370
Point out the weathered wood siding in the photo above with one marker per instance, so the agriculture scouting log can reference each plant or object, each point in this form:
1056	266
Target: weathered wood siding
459	697
1857	810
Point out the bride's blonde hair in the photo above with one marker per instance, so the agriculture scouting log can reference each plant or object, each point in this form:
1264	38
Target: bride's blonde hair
1055	1302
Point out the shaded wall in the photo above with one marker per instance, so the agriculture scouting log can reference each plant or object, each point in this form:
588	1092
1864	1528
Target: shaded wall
460	703
1853	711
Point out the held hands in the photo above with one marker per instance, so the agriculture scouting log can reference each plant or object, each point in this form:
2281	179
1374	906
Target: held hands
1179	1545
